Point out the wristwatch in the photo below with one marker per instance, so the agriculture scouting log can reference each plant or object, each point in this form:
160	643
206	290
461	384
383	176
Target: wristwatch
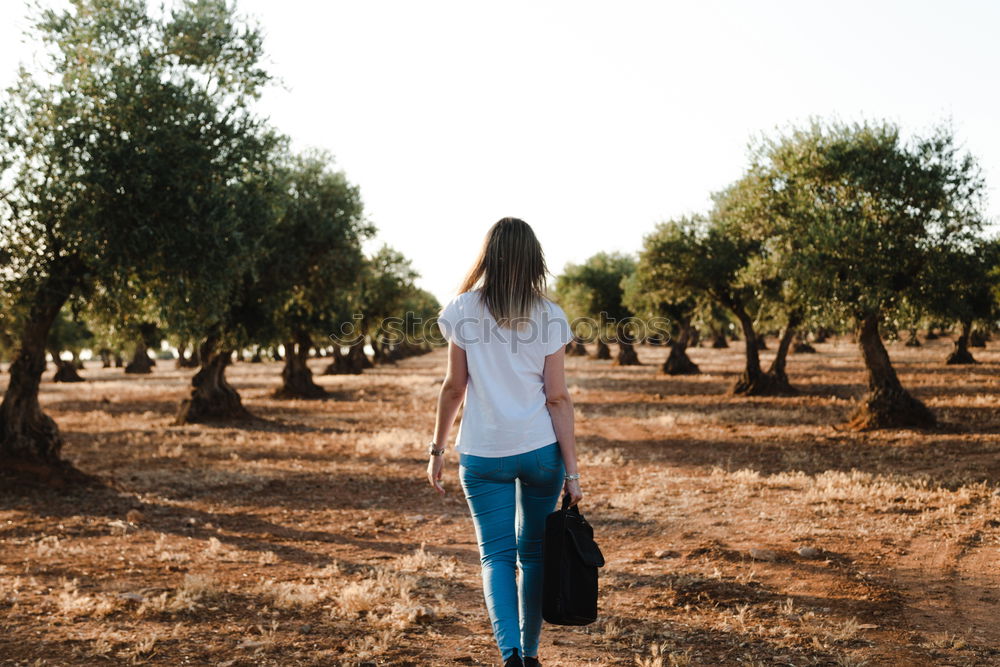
570	478
433	450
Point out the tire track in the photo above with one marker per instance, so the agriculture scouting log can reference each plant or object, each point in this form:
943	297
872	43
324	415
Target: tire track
951	585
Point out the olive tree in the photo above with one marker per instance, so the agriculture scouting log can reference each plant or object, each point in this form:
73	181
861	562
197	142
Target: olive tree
310	257
960	284
134	160
710	258
650	298
594	290
854	215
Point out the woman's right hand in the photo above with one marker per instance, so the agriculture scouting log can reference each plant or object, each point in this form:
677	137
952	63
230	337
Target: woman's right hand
572	489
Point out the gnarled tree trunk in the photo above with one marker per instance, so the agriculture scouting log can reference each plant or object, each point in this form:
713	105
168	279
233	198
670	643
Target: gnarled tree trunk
212	397
626	348
751	381
296	377
887	405
961	354
776	375
30	442
912	340
340	364
754	381
678	362
66	371
141	363
603	351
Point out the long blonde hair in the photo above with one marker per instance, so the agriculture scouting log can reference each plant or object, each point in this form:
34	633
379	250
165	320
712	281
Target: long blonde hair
511	271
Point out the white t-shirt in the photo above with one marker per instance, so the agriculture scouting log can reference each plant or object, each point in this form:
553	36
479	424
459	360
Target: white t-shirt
505	412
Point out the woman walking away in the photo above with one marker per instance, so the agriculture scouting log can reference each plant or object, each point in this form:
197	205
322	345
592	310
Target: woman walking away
516	444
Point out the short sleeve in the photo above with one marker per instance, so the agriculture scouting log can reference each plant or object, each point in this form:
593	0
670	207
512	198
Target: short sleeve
557	331
447	322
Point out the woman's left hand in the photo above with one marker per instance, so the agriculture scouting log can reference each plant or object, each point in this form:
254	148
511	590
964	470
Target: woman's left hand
434	467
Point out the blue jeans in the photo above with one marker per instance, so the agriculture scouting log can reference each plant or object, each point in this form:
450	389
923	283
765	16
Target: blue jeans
509	498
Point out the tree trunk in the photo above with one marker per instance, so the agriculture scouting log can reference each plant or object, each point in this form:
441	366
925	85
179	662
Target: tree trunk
186	359
141	362
931	335
978	338
119	362
912	340
356	355
296	377
340	364
30	442
678	362
776	374
961	354
801	344
626	349
719	340
212	398
603	351
887	405
256	358
105	357
821	335
65	370
575	348
751	382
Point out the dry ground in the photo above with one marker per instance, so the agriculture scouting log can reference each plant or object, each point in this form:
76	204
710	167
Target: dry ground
737	531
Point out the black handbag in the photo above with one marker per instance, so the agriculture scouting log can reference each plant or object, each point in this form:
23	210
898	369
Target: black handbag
570	562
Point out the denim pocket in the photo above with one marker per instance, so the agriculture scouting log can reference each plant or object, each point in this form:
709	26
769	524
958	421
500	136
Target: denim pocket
481	465
549	458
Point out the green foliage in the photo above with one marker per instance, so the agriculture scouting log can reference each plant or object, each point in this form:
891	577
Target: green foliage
138	167
310	254
654	301
700	257
387	280
852	215
962	282
594	289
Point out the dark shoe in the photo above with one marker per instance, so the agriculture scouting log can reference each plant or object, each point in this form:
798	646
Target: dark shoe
531	662
514	660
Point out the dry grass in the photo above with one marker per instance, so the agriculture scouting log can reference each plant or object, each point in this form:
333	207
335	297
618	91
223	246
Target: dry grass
314	539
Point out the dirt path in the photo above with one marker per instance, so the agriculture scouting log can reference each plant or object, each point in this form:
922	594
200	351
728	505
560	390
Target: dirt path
737	531
950	583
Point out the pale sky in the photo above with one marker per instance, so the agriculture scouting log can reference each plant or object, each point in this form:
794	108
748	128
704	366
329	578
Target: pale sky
593	121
